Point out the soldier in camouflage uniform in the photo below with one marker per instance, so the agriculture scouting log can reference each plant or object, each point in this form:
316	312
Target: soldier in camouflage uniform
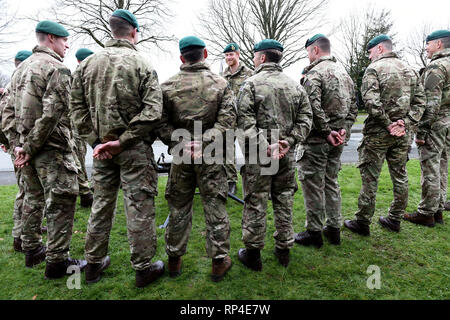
86	197
17	216
236	74
116	101
270	101
395	99
197	94
433	136
333	101
41	136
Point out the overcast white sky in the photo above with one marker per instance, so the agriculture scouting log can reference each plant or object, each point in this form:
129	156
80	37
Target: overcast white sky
407	15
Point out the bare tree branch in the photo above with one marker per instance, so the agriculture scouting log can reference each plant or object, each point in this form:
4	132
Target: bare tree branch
247	22
88	20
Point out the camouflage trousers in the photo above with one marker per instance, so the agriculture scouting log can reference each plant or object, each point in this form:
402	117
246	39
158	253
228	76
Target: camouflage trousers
212	183
83	180
318	172
257	187
50	186
434	165
230	169
135	169
373	150
18	203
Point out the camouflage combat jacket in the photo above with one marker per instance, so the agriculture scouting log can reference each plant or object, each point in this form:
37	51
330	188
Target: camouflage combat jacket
437	90
391	91
270	100
116	96
237	79
332	96
3	102
196	94
37	114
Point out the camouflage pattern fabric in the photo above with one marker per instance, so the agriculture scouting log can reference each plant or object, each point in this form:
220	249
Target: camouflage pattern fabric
270	100
318	173
37	120
18	203
212	183
391	91
80	152
434	128
235	80
50	184
197	94
116	96
135	169
332	96
17	215
257	188
333	101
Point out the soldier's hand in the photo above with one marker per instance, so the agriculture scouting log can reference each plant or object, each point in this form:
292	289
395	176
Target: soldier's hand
193	149
3	148
420	142
343	134
397	129
107	150
22	158
284	147
335	139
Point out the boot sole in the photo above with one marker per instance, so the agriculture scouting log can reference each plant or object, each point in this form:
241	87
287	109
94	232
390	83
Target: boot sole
357	232
421	224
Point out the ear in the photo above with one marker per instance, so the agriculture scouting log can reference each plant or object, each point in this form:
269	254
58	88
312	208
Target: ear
182	59
205	54
439	44
51	38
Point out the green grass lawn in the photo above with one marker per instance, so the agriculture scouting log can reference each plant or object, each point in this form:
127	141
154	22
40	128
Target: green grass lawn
414	264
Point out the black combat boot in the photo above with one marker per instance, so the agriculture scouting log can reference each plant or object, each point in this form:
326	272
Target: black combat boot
220	267
358	227
282	256
59	270
35	257
390	224
17	245
333	235
417	218
310	238
86	200
149	275
439	217
175	266
251	258
94	271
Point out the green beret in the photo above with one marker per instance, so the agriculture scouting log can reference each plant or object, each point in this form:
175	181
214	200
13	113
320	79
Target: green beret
83	53
23	55
438	35
314	39
128	16
377	40
51	27
268	44
191	42
231	48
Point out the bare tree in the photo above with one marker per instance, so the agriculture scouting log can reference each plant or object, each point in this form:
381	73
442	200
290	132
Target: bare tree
6	22
4	80
415	45
89	19
249	21
354	33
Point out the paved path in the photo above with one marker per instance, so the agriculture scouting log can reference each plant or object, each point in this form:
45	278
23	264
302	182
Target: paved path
349	156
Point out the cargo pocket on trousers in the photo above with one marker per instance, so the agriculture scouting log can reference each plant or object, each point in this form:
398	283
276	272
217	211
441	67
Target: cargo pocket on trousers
66	182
